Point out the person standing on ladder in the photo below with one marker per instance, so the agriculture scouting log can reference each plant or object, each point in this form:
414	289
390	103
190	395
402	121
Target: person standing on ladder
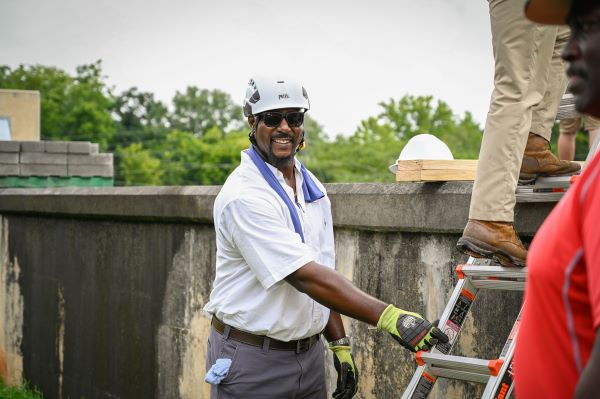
557	352
528	84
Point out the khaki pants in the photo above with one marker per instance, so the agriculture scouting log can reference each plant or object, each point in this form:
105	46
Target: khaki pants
529	81
572	125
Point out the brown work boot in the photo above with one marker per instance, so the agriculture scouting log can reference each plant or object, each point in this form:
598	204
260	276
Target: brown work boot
538	160
494	240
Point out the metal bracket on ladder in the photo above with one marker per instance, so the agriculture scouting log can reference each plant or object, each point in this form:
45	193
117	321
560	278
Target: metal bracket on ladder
545	189
438	363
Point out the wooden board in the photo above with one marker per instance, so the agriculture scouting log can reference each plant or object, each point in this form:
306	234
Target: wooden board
434	170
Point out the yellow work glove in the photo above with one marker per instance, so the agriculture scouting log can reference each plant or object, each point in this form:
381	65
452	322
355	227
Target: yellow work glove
410	329
347	379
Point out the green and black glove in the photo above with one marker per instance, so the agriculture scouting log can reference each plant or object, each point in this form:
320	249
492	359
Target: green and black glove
410	329
347	379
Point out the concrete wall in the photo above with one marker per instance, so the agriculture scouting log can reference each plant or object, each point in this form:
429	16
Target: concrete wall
101	290
22	108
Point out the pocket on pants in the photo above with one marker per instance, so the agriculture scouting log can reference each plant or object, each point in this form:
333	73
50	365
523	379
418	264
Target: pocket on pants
229	350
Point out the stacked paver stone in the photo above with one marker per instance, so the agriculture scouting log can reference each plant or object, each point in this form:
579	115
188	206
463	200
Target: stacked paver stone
54	163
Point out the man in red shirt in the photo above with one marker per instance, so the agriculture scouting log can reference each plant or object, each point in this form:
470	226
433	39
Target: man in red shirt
557	354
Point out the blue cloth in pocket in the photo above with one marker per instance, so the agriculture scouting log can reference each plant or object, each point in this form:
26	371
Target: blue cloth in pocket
218	371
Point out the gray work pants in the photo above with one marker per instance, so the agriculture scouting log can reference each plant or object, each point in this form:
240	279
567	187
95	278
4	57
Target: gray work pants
263	373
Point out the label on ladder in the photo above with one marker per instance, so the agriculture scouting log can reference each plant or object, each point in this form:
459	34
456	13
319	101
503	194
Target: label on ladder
455	321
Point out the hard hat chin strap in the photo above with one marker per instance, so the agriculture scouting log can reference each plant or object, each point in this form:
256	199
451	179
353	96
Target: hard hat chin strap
253	130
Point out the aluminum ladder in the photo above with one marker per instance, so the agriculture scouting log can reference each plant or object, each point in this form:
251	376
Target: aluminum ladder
497	374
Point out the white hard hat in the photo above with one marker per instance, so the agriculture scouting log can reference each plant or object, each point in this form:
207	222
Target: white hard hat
265	94
423	146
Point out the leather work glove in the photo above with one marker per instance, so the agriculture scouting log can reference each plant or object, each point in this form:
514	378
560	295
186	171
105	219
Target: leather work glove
410	329
347	379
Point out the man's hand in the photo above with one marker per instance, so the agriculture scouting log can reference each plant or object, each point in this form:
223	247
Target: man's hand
410	329
347	380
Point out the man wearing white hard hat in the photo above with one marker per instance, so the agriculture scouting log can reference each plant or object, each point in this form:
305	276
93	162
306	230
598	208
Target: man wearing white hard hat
275	288
528	84
558	350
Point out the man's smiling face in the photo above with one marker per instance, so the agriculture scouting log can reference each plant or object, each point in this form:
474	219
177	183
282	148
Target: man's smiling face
278	144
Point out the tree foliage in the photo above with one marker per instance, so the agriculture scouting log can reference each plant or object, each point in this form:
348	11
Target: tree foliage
137	166
198	110
135	110
72	107
198	137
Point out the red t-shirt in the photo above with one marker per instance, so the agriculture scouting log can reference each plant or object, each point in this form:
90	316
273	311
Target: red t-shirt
562	294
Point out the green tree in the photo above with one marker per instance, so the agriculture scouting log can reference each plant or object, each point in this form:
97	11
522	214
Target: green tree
197	110
188	159
222	155
138	167
138	117
137	110
182	157
72	107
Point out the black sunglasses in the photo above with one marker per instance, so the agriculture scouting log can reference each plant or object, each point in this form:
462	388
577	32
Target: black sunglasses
273	118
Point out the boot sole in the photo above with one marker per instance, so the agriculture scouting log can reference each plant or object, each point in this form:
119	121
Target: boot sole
530	178
478	249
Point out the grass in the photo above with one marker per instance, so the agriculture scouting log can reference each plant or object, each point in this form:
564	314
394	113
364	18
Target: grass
21	392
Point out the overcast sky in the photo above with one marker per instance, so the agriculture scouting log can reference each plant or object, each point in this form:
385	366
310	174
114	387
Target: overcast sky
350	55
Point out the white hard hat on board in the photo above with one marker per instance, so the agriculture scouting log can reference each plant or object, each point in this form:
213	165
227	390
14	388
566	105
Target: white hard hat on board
423	146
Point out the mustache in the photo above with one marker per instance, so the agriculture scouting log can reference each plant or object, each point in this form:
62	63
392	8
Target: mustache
281	135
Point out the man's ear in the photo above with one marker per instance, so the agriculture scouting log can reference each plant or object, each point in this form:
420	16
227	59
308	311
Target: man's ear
251	120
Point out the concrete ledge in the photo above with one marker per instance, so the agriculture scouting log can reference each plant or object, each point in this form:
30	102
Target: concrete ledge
418	207
411	207
185	203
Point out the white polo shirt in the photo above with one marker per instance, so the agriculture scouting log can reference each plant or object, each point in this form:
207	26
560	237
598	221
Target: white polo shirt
257	248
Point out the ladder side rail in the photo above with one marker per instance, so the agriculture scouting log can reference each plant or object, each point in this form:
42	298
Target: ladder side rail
502	385
420	384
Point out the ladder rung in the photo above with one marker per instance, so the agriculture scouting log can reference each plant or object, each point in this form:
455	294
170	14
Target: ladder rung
460	375
545	189
530	196
456	363
491	271
552	182
505	285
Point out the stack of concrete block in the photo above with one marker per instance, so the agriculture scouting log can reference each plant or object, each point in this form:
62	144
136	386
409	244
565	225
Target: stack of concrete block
54	158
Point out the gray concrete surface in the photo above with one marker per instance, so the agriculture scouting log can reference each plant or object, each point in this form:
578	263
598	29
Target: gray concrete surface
101	290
